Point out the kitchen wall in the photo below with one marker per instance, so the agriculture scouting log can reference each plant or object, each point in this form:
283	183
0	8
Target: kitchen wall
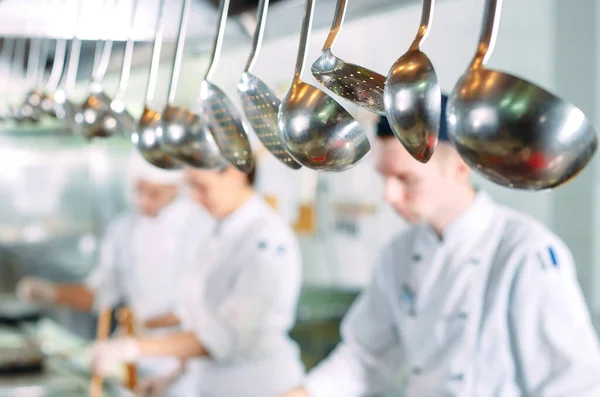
533	37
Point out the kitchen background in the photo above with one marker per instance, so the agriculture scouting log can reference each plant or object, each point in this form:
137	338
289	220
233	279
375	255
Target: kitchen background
58	193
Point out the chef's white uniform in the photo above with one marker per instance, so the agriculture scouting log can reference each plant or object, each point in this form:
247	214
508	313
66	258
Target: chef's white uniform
241	304
490	309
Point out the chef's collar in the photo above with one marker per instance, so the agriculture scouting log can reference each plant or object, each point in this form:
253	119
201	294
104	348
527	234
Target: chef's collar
235	221
471	222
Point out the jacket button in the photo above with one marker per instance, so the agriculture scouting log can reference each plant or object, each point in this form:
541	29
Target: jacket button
416	258
463	315
416	371
458	377
475	261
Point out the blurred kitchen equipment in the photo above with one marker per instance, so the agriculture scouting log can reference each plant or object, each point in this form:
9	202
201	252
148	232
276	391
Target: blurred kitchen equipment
102	332
118	120
25	112
145	137
181	133
33	98
317	131
58	66
14	311
511	131
219	113
90	118
260	103
6	55
359	85
126	323
17	68
412	96
18	353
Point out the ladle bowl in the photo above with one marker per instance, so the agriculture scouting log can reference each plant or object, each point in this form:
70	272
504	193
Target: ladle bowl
118	120
318	132
515	133
90	117
261	106
223	121
413	104
184	136
359	85
145	139
34	98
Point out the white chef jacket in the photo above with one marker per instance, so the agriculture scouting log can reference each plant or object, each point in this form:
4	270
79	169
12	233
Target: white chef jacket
490	309
241	304
143	261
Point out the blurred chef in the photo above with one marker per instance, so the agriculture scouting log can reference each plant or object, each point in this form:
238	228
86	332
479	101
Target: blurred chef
143	257
239	306
474	299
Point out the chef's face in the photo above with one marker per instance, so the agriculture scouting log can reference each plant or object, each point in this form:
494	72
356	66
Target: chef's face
152	197
217	190
417	191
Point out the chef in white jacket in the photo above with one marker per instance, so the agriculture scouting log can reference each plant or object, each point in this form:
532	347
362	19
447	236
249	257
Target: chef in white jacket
143	259
473	300
240	303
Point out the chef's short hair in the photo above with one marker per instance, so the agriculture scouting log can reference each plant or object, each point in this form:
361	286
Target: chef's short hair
384	130
250	176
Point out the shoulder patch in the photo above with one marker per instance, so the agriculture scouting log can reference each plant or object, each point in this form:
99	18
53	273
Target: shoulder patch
547	258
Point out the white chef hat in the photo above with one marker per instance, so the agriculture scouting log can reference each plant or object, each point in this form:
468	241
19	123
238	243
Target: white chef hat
139	169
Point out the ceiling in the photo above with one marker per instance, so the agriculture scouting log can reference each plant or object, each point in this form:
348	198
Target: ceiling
110	19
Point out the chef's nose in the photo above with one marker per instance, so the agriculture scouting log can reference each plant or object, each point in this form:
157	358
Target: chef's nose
393	191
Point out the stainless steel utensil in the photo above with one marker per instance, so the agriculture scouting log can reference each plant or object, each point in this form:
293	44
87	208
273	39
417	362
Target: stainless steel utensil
357	84
58	66
511	131
219	113
181	133
8	48
33	99
18	60
316	130
260	103
144	137
27	112
90	118
412	96
118	120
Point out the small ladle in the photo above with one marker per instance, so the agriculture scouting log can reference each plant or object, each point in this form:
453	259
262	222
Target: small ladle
412	96
316	130
33	99
219	113
8	48
359	85
18	61
144	137
511	131
260	103
118	120
58	65
90	117
182	134
28	112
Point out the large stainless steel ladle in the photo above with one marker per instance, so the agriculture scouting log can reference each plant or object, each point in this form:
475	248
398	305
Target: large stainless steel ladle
25	112
316	130
33	99
412	96
357	84
144	137
90	117
8	48
219	113
511	131
182	134
58	66
118	120
260	103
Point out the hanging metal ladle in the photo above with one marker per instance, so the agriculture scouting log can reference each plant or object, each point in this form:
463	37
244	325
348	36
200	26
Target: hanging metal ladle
316	130
90	117
260	103
359	85
27	112
33	99
58	65
145	138
412	96
118	120
182	134
511	131
8	48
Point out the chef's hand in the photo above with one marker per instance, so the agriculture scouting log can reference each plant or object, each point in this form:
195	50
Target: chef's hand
107	357
36	290
299	392
158	385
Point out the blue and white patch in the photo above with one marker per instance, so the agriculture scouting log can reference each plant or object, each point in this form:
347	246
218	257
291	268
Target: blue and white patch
548	258
281	249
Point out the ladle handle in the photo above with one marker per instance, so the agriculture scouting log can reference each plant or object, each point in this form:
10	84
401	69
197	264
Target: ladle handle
58	65
70	76
426	18
128	54
489	33
185	10
44	53
156	50
218	41
102	66
304	37
8	49
35	49
338	20
261	18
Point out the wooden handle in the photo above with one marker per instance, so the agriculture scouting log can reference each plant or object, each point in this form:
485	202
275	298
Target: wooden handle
126	323
102	331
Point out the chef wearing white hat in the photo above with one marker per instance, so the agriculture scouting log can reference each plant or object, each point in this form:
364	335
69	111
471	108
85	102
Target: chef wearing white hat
143	256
